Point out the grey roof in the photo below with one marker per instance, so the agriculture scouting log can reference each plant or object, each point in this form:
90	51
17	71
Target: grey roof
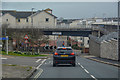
18	14
42	11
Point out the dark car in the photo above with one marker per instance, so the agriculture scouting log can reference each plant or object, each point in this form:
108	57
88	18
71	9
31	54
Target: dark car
64	55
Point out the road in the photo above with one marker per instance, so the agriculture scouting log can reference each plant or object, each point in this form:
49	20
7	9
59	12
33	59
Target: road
85	68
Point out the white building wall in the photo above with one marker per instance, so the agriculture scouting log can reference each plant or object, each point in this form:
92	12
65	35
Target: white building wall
40	20
11	20
22	23
86	44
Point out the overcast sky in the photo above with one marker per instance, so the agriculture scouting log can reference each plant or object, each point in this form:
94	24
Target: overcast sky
59	0
74	10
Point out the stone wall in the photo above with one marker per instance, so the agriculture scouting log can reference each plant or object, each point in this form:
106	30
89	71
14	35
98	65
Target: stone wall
109	49
104	47
94	47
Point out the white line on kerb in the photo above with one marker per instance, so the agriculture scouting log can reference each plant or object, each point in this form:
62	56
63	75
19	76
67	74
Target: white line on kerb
37	60
41	64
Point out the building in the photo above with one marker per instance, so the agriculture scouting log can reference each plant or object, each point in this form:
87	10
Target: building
29	19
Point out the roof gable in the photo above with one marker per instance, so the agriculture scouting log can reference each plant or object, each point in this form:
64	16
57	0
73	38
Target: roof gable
43	11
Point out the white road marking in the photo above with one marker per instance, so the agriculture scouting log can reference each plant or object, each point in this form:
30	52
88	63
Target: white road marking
38	74
81	66
41	64
37	60
3	58
93	77
87	71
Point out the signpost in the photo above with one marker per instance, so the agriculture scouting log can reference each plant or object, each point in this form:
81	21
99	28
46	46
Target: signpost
7	44
5	38
26	40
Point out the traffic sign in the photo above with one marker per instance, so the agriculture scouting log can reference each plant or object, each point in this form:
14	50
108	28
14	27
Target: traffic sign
3	38
57	33
26	41
26	37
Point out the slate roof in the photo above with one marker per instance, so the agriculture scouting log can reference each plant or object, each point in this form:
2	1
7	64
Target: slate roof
23	14
45	12
18	14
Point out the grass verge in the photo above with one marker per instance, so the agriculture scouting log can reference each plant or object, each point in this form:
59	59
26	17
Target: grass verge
21	54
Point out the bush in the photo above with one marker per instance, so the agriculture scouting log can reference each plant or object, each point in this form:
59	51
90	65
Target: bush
75	46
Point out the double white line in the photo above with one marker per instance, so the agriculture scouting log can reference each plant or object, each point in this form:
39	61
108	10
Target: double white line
38	68
41	64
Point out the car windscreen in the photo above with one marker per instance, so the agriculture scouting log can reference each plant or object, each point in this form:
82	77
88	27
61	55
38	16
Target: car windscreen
67	50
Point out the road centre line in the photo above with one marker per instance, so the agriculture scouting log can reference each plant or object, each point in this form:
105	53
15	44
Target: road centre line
37	60
87	71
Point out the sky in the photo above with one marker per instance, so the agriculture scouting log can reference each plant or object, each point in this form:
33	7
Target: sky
71	10
59	0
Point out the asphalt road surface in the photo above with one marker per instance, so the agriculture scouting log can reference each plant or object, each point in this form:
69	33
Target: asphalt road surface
84	69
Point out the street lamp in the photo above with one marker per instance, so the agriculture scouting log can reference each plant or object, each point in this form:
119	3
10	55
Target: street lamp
32	17
118	30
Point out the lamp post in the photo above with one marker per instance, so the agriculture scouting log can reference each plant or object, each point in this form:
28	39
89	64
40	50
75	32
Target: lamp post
32	17
32	27
118	30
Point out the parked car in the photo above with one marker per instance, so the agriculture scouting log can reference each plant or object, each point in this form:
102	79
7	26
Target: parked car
63	55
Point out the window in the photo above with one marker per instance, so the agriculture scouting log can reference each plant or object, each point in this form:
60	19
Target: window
81	38
6	19
47	19
88	41
18	20
27	20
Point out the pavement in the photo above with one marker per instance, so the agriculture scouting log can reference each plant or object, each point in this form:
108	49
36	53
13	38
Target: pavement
102	60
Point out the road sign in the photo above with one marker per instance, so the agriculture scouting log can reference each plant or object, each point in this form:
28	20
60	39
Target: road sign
3	38
26	41
57	33
26	37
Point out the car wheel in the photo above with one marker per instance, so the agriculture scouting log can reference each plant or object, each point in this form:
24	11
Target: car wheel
54	65
74	64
